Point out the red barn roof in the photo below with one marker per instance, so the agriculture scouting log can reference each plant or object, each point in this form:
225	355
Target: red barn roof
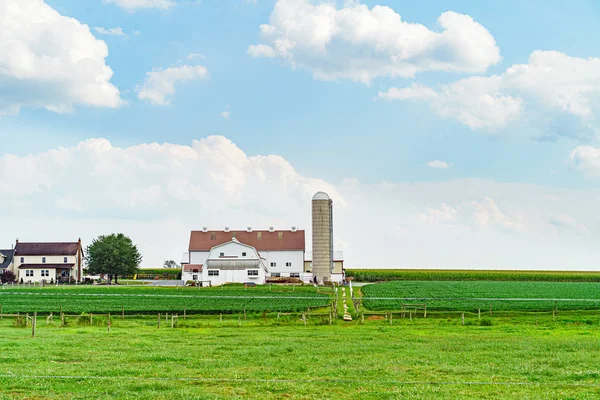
260	240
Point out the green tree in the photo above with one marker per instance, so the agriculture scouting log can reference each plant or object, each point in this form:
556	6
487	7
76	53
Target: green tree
114	255
170	264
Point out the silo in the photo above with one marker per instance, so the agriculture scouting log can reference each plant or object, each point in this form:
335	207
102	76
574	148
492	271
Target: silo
322	236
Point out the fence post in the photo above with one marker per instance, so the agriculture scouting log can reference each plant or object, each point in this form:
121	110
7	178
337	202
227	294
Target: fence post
391	317
410	315
172	321
158	324
425	312
239	321
91	319
109	322
479	312
463	318
33	324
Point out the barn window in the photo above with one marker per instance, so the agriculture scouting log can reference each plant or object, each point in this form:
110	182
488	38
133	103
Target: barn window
258	235
233	235
43	260
252	272
213	272
221	254
275	275
273	264
195	271
279	235
288	264
244	254
294	275
213	236
194	277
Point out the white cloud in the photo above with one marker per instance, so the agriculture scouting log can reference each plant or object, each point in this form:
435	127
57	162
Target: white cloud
50	61
157	193
225	114
587	160
261	50
193	56
134	5
159	85
439	164
553	91
118	31
358	43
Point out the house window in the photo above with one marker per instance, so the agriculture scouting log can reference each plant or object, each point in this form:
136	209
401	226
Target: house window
273	264
213	272
22	259
294	275
288	264
275	275
252	272
65	260
45	272
213	236
280	235
258	235
194	277
221	254
43	260
28	272
244	254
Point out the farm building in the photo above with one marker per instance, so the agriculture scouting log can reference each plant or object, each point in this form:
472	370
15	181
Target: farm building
338	274
49	262
244	256
6	259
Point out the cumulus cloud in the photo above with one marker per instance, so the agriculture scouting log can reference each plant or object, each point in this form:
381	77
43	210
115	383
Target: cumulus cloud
50	61
159	85
438	164
157	193
134	5
358	43
553	90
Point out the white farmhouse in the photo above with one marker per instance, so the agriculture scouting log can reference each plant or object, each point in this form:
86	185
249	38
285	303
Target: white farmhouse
244	256
49	262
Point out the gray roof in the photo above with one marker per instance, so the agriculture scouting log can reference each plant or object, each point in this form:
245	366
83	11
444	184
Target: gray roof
9	257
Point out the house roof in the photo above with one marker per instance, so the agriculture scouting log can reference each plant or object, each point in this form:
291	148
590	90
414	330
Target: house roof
47	249
46	266
192	267
9	257
269	241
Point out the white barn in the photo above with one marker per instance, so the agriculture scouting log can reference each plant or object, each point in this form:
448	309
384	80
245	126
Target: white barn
228	256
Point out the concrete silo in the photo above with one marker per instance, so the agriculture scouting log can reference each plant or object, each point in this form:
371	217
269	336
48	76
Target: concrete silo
322	236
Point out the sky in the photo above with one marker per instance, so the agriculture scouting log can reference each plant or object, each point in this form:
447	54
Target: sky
449	134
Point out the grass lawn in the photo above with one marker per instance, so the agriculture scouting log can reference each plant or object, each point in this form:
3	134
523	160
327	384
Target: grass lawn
205	359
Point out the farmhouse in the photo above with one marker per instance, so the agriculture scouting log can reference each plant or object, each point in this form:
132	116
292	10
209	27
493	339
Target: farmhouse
244	256
49	262
6	259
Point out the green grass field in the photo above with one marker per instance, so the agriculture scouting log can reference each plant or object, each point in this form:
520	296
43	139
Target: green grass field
379	275
470	295
136	299
205	359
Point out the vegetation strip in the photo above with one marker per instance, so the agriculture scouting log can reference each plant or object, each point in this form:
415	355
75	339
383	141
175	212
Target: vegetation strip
329	380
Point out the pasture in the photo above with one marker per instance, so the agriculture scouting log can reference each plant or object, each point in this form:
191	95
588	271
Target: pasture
474	295
202	358
148	300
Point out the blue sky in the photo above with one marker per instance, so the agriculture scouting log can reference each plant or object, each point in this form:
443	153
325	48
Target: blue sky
333	130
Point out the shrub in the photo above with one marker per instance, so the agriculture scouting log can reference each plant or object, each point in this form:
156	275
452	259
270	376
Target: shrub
7	276
485	322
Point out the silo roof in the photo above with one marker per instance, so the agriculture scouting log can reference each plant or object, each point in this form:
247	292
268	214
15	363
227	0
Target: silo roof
321	196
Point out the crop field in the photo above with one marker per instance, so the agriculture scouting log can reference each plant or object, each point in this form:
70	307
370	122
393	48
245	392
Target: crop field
203	359
136	299
474	295
378	275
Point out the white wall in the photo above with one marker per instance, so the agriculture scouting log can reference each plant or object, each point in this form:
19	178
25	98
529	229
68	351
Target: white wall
280	258
37	275
234	276
198	257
